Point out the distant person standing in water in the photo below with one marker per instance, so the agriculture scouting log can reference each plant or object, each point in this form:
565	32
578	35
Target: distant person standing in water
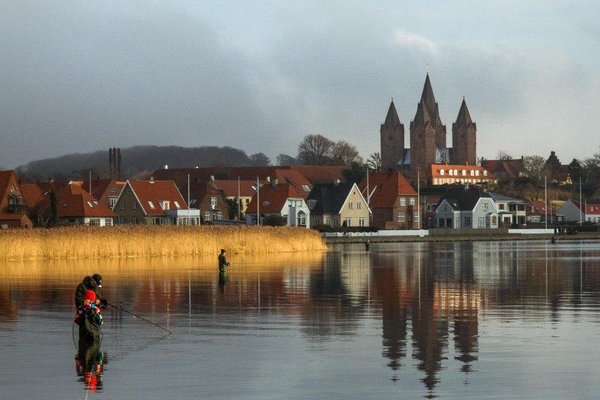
223	264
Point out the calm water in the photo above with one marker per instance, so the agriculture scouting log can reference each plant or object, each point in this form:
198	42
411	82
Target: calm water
449	320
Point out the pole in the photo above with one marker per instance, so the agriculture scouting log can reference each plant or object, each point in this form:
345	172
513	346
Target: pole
90	181
142	318
418	200
257	202
545	204
580	212
238	201
368	189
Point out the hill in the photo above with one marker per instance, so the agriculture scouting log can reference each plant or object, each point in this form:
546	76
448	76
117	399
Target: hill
137	161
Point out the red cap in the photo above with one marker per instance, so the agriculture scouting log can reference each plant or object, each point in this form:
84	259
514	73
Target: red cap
90	295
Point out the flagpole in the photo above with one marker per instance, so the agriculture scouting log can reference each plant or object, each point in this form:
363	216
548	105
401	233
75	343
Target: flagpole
545	203
238	201
257	202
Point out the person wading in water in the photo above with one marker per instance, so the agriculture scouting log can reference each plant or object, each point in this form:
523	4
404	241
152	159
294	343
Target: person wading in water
223	264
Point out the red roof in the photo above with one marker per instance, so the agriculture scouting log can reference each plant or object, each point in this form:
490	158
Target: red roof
230	187
5	177
273	198
321	174
33	194
152	194
73	201
590	208
385	188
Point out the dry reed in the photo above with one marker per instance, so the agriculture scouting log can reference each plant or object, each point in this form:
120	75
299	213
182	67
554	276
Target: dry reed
153	241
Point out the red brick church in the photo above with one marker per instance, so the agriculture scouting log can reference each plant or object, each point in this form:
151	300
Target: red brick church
427	137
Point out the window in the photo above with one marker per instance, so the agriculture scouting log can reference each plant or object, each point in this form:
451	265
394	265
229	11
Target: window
166	205
416	216
177	204
358	205
207	216
134	220
501	206
348	222
122	205
94	222
135	205
441	222
401	216
467	222
494	220
441	172
402	201
412	201
361	222
112	201
327	221
301	218
485	205
151	204
480	222
350	206
213	202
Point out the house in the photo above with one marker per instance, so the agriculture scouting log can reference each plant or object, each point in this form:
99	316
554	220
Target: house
65	204
337	204
575	211
237	190
105	190
153	203
443	174
510	210
12	202
209	199
392	201
466	207
278	203
506	170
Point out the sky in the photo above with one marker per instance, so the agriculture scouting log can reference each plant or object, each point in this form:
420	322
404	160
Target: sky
80	76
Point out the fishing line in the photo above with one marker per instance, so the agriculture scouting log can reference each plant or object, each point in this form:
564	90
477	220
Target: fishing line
140	317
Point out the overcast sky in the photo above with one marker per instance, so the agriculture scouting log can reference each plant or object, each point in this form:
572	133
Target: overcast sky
78	76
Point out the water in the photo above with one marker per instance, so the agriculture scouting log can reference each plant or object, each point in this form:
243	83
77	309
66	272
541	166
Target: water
461	320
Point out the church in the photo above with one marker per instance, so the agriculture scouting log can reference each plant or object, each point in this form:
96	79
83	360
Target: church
427	137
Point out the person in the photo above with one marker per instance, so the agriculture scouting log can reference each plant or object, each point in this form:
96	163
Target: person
223	264
89	318
94	283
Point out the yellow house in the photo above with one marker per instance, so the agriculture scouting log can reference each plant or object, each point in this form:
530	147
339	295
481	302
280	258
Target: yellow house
337	204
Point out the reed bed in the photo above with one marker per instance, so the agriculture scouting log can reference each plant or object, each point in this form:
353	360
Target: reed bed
153	241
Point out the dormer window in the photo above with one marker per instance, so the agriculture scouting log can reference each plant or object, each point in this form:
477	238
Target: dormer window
165	205
151	205
464	172
177	204
442	171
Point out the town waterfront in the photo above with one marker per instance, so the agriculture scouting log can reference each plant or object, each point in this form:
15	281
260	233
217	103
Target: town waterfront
494	319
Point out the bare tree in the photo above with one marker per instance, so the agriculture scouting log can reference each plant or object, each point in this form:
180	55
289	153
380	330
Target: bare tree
503	155
315	150
259	160
285	159
533	166
343	153
374	162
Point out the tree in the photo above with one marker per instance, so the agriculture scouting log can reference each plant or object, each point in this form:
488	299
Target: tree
315	150
259	160
374	162
285	159
355	172
533	166
575	171
504	156
343	153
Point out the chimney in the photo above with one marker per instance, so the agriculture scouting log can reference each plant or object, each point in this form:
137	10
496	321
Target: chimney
212	178
166	166
151	179
110	162
268	179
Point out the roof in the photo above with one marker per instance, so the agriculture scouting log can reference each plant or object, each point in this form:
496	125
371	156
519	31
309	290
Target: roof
100	186
230	187
273	198
73	201
588	208
385	187
391	119
464	117
509	169
151	195
463	197
329	197
12	217
499	197
33	194
5	177
441	171
427	109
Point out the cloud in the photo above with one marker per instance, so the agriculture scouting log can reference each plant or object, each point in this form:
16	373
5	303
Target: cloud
414	41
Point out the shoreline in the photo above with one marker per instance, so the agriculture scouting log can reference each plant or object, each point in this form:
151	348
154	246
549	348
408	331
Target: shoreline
461	238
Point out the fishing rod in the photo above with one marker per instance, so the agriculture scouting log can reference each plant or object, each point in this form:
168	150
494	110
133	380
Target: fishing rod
140	317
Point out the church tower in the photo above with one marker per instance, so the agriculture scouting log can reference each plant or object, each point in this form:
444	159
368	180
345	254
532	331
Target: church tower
427	133
391	140
464	138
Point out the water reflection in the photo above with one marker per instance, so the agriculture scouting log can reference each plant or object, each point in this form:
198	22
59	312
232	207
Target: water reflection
426	303
89	364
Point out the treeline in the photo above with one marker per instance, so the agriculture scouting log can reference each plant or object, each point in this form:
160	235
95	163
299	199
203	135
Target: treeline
138	161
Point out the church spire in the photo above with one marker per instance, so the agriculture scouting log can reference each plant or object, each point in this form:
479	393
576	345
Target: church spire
391	119
427	109
464	117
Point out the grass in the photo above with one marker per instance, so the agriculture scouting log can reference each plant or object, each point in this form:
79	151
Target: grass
153	241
